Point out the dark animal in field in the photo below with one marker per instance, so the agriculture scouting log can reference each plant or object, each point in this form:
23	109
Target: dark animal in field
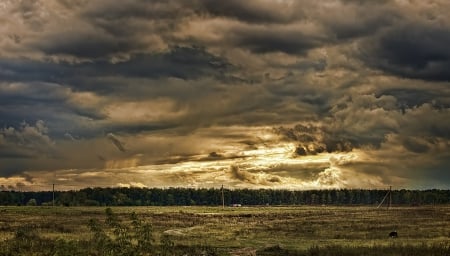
393	234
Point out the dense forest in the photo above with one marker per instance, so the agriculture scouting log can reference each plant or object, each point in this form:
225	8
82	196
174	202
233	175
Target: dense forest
212	196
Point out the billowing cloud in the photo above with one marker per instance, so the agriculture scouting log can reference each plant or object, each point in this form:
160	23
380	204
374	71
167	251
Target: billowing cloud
247	177
25	140
280	94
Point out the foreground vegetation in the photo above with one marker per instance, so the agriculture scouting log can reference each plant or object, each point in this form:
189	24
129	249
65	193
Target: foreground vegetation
230	231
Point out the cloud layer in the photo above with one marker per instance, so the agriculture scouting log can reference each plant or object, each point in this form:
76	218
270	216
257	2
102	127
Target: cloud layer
262	93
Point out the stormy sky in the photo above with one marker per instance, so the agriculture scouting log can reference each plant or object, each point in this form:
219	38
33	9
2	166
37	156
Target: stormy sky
288	94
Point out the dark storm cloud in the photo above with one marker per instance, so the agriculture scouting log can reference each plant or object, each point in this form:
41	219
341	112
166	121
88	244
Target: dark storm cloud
426	121
264	40
341	19
24	143
149	10
355	124
30	93
86	45
315	140
50	97
411	97
180	62
296	27
415	145
415	50
135	128
367	122
354	19
30	101
27	136
23	69
318	65
43	90
253	11
104	30
334	138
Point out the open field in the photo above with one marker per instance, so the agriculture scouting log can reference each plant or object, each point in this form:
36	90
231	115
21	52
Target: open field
300	230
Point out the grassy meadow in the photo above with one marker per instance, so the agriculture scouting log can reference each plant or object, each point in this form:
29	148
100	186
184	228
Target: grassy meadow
301	230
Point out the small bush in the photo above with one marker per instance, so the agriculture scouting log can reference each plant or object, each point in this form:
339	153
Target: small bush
32	202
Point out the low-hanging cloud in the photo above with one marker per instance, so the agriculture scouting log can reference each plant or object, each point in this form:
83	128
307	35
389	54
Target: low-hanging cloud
256	179
119	145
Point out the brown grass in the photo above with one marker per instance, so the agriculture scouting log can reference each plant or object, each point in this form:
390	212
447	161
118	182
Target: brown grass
249	228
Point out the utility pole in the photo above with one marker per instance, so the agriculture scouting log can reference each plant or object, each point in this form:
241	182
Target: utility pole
53	198
390	197
384	198
223	199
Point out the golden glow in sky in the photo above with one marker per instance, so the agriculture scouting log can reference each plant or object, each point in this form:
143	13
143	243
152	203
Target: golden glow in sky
249	94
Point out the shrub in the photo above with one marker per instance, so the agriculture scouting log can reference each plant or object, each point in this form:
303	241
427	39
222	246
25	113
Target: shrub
32	202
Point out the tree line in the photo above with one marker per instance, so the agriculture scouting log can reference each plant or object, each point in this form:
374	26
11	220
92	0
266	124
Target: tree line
213	196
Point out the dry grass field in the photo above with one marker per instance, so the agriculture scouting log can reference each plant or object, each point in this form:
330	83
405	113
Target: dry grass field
300	230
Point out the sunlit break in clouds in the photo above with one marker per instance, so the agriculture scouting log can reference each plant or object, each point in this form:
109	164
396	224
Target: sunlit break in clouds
248	94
